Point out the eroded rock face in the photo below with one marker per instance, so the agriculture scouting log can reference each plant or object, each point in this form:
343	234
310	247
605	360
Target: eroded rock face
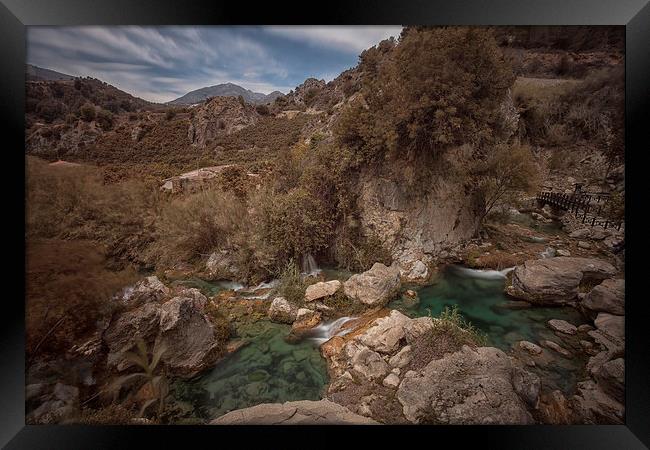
220	116
374	287
471	386
415	227
321	290
607	297
556	280
149	289
304	412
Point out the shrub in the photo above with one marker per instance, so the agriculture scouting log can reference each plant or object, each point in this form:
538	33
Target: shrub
451	324
292	286
105	119
170	114
50	109
87	112
262	110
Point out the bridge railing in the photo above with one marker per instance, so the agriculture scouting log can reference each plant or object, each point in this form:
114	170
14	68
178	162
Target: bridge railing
580	203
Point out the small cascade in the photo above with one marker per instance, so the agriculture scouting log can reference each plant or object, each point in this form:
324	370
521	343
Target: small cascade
549	252
327	330
484	274
309	266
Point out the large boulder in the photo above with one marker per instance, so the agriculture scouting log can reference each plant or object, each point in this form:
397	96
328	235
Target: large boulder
188	336
374	287
556	280
282	311
220	265
471	386
304	412
321	290
608	297
146	290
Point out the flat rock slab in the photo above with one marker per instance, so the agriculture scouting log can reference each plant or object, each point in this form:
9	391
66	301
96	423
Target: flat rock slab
555	281
304	412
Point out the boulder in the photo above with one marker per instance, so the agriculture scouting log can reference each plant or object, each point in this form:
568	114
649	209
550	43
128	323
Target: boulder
391	381
149	289
122	334
562	326
557	348
220	265
401	358
582	233
281	311
594	406
611	325
369	364
374	287
304	412
562	252
527	385
556	280
610	377
608	297
321	290
189	338
471	386
386	334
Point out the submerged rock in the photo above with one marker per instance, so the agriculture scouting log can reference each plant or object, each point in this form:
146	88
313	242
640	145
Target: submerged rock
304	412
374	287
562	326
556	280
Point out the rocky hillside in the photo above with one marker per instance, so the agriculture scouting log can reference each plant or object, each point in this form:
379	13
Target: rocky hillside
225	90
35	73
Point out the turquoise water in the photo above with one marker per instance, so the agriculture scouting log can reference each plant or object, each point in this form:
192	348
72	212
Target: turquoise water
267	370
482	302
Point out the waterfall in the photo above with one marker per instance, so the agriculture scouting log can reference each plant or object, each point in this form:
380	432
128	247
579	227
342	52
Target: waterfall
309	266
548	253
327	330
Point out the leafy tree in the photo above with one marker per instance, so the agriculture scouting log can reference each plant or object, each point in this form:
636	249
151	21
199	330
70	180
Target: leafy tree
506	170
105	119
87	112
437	88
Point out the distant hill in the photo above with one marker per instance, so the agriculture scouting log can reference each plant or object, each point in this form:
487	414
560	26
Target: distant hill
225	90
35	73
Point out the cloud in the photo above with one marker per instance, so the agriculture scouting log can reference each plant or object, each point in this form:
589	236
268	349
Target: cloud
344	38
163	63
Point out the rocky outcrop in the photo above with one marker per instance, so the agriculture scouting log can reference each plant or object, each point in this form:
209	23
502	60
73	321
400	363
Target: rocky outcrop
282	311
56	404
374	287
562	326
147	290
416	227
220	265
304	412
321	290
220	116
556	280
607	297
471	386
370	371
180	324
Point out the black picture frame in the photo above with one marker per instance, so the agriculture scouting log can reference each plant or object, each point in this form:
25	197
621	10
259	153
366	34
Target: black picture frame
15	15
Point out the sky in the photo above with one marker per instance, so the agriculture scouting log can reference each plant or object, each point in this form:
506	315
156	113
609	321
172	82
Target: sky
160	64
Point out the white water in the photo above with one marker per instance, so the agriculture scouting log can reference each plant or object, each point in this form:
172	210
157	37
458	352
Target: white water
231	285
486	274
327	330
549	252
309	266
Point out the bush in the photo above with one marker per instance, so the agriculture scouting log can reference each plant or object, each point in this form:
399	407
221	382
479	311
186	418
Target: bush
262	110
292	286
170	114
433	90
451	324
87	112
50	110
105	119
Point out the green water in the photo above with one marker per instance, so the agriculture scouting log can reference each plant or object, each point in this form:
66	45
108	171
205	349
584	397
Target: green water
483	303
267	370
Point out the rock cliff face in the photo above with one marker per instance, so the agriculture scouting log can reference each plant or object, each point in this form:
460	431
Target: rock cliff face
221	115
416	227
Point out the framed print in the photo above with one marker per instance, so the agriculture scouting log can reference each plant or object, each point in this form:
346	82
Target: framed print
404	219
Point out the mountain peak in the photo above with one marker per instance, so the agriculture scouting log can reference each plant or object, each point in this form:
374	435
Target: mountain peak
224	90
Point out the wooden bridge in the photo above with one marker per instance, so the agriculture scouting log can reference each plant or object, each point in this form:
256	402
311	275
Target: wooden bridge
585	206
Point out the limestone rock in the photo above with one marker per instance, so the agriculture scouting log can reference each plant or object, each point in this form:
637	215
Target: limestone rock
374	287
527	385
401	358
281	311
556	280
304	412
321	290
385	335
608	297
562	326
392	380
531	348
466	387
220	265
